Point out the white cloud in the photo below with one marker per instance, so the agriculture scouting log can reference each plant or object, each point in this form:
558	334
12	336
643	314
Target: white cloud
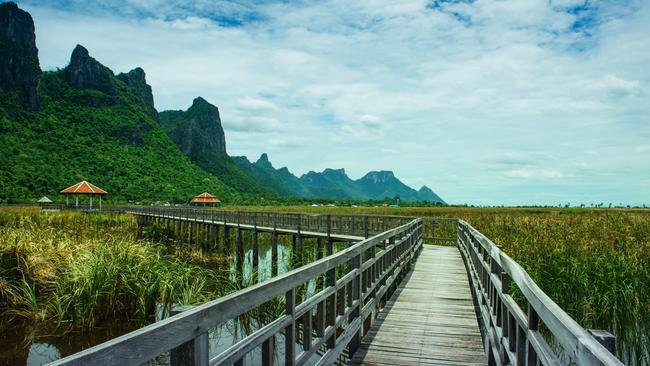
533	174
257	104
460	91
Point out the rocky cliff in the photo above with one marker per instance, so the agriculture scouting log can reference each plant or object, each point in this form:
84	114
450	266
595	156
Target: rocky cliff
136	80
198	133
20	72
84	72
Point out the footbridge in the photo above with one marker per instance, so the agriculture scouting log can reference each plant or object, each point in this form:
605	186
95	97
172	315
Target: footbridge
387	296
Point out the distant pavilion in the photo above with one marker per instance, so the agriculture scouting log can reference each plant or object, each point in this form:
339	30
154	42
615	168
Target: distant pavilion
83	188
44	201
205	199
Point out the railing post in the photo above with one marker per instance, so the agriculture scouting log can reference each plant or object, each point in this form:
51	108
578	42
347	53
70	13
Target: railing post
329	235
505	317
274	250
353	346
267	351
533	324
299	240
365	226
290	330
193	352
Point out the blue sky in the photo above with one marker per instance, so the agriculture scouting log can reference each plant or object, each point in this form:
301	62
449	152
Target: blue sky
484	101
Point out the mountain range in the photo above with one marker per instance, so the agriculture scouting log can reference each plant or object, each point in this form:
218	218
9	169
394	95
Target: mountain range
334	183
84	122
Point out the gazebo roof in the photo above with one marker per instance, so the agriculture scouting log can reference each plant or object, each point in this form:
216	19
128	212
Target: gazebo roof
84	187
205	198
44	199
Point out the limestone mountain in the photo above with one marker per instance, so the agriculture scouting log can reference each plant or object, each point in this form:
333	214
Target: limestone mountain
281	181
20	72
84	72
334	183
385	184
426	194
136	79
198	133
91	125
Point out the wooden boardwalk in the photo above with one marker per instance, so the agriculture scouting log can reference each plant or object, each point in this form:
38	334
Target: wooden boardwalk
234	225
430	320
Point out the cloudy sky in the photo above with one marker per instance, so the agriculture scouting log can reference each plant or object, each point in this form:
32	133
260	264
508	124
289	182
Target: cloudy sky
484	101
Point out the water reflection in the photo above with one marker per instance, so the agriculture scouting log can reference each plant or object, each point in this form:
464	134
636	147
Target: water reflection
41	353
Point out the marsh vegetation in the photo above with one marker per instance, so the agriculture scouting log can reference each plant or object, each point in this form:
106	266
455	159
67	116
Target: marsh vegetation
69	280
97	276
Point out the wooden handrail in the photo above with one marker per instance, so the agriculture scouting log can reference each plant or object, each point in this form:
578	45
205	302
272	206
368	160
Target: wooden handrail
379	273
512	334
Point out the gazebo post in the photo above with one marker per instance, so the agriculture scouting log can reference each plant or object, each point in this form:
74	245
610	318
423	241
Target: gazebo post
77	201
91	201
67	200
100	202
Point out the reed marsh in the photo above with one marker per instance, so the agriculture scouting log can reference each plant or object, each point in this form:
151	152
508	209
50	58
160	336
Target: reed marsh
69	280
80	270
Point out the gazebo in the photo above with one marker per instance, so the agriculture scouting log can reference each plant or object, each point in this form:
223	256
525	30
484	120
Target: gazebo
205	198
83	188
44	201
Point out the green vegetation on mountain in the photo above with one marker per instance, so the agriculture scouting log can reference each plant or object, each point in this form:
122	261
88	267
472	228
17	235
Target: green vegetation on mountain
82	122
87	134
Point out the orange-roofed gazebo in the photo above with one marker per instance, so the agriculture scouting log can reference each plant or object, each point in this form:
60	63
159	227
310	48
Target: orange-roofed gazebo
83	188
205	199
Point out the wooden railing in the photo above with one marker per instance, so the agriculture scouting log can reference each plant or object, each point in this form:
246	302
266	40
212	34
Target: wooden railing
353	225
437	230
332	319
512	336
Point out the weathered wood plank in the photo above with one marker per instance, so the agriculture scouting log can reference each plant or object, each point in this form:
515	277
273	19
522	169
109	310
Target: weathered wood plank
430	320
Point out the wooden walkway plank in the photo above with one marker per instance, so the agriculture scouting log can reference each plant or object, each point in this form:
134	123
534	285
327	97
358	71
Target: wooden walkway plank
430	320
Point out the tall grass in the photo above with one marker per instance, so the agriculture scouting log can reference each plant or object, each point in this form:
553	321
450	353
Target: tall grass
83	269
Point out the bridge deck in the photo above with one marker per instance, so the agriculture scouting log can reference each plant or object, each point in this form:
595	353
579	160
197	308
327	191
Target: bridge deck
430	320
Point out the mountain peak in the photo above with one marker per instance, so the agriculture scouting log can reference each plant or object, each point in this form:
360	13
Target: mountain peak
200	102
84	72
79	52
197	131
334	172
136	80
263	161
381	176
